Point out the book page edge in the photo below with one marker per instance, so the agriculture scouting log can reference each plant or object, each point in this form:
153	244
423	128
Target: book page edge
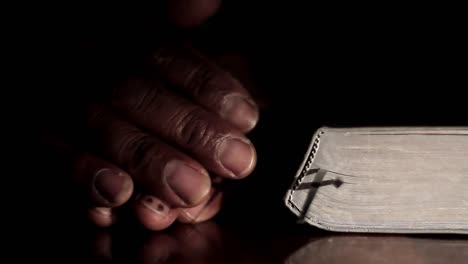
301	171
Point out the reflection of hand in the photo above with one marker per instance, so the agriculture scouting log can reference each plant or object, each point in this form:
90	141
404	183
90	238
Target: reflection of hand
200	243
164	134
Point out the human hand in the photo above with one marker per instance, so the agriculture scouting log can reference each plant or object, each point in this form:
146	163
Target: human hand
165	138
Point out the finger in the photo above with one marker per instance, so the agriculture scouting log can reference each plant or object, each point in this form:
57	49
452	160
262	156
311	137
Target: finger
203	211
157	168
239	66
210	86
105	184
153	213
220	147
102	216
190	13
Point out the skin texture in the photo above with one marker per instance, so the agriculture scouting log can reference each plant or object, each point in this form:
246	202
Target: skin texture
157	141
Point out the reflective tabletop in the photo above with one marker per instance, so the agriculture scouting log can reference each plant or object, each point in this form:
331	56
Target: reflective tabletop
213	242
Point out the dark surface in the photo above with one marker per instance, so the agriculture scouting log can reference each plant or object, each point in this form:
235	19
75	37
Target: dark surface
216	242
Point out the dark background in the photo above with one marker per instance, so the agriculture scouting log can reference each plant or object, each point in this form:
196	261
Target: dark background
335	65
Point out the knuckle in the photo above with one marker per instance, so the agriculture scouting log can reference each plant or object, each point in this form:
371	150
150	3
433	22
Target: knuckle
137	96
146	101
133	151
120	149
192	71
201	78
193	129
141	154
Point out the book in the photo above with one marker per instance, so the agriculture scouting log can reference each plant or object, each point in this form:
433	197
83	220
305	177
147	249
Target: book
384	180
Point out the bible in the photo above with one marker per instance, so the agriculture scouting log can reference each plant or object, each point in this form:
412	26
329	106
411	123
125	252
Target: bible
384	180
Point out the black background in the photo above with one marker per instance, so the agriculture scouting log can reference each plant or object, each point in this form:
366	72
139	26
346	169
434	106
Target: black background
335	65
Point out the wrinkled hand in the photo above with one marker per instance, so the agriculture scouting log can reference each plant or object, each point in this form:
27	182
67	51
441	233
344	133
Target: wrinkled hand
167	143
167	137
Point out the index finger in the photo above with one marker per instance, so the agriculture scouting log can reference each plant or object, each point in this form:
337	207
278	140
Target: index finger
210	86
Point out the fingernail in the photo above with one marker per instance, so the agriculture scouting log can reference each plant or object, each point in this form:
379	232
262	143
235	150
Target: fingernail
186	182
108	184
237	156
240	111
204	211
194	212
154	205
103	210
